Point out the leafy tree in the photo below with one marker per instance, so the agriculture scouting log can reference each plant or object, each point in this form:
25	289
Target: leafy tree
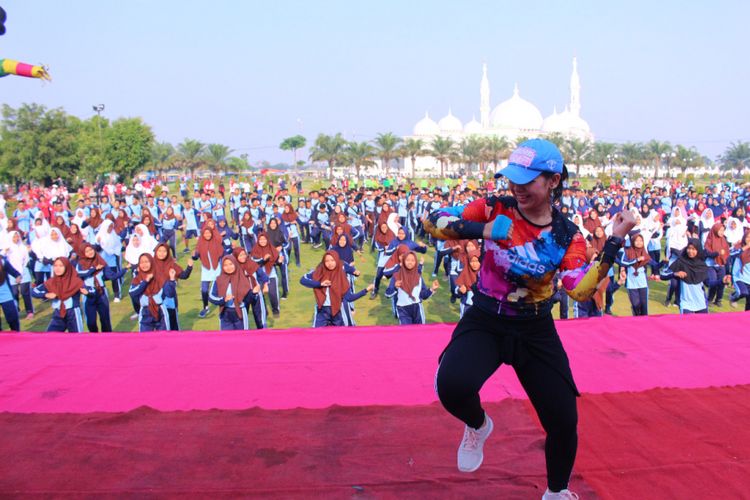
631	154
128	146
360	154
578	150
555	138
387	146
189	154
413	148
471	151
496	149
736	156
238	164
92	147
216	155
162	156
687	158
657	151
444	150
604	154
330	149
38	145
293	144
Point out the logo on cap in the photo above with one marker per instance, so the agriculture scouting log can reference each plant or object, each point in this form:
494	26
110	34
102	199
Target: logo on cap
523	156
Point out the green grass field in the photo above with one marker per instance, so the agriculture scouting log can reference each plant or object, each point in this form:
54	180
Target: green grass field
297	311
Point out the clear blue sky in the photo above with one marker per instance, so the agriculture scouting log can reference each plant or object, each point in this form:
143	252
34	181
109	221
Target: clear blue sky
245	73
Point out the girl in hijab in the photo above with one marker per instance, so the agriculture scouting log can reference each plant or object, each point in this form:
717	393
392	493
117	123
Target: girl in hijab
266	255
409	291
741	271
592	221
233	293
705	225
9	276
122	224
677	238
382	240
64	289
691	271
634	261
149	288
209	250
40	230
652	224
18	256
109	245
734	230
76	239
466	280
93	270
247	231
164	261
716	250
279	239
333	295
578	221
257	276
170	224
49	248
289	220
226	233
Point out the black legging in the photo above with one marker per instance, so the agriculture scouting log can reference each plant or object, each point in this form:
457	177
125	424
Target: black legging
480	344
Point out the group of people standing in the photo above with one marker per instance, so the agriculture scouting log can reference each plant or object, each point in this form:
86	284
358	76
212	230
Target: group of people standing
245	242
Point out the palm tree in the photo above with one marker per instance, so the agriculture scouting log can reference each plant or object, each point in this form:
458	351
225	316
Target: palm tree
471	151
293	144
578	150
657	152
495	149
387	146
360	154
443	149
555	138
189	152
737	155
412	148
687	158
330	149
162	156
605	154
216	155
630	154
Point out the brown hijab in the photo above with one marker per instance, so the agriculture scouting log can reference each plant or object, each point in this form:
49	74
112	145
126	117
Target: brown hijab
339	283
210	251
716	243
154	286
240	284
64	286
409	278
260	252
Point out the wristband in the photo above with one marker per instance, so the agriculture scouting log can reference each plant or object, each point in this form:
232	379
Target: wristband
500	227
611	247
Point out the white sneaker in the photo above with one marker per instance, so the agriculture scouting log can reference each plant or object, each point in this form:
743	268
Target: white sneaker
470	454
565	494
117	300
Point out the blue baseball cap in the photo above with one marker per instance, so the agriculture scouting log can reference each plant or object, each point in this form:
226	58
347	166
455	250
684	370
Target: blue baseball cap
530	159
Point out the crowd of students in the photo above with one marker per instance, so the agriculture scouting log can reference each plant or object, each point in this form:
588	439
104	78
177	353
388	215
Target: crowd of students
68	249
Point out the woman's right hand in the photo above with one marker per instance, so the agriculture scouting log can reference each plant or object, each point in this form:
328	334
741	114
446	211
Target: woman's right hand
325	283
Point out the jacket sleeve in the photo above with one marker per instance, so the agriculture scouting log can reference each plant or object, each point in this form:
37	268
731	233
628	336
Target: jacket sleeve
581	279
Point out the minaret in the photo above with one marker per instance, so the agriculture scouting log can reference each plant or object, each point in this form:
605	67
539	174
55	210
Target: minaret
575	90
484	98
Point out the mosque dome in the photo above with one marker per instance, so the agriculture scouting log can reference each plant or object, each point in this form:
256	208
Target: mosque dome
516	113
449	124
568	124
473	127
426	127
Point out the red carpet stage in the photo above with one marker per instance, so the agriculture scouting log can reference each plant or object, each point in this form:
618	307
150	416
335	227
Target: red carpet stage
351	413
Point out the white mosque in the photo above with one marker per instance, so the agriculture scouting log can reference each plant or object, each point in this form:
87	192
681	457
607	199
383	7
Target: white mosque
513	118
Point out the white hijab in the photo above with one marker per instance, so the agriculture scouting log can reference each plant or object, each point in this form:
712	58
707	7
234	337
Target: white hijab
47	248
109	241
17	253
733	234
139	245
